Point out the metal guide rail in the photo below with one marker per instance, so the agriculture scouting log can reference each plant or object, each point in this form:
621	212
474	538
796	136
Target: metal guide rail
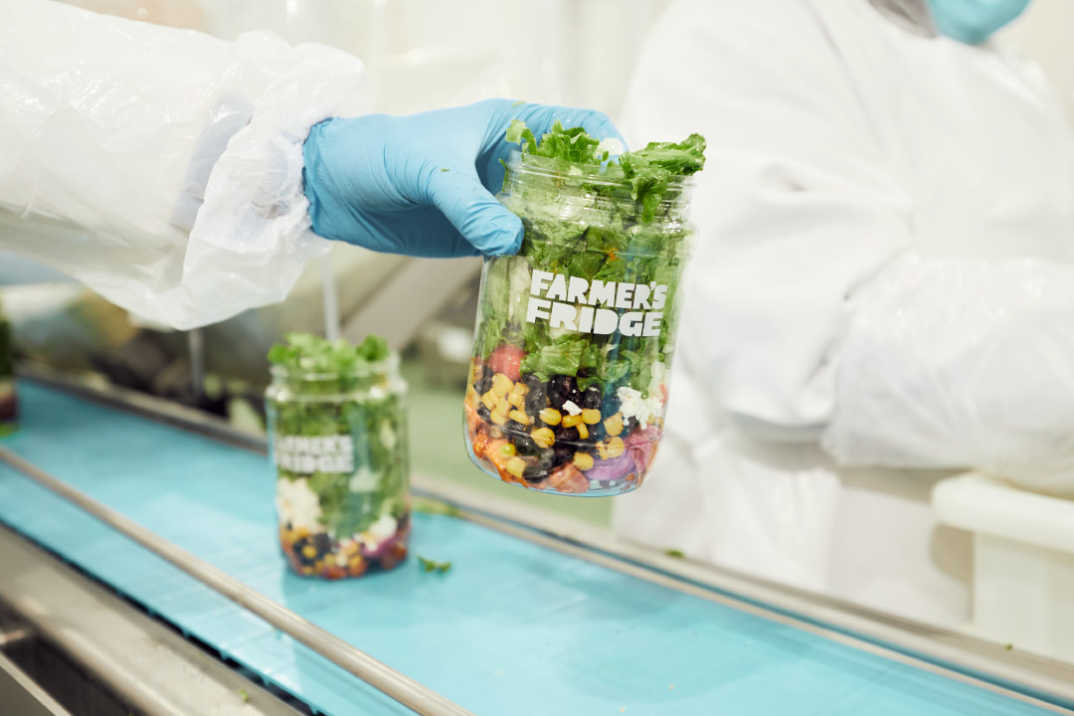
572	566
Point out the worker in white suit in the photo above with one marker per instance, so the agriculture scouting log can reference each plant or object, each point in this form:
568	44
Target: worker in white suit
882	290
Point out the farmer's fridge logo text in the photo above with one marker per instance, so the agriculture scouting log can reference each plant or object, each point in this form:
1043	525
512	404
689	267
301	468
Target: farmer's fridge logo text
574	304
327	453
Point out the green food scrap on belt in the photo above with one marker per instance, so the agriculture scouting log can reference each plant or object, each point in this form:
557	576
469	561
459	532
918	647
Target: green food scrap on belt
431	565
677	553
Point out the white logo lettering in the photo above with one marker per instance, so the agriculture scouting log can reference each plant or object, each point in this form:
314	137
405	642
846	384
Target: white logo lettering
326	453
571	303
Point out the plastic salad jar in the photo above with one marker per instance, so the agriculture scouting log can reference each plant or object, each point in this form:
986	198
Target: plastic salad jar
338	438
568	384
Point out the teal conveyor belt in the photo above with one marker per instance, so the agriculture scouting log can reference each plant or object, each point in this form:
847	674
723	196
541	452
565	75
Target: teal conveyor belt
513	628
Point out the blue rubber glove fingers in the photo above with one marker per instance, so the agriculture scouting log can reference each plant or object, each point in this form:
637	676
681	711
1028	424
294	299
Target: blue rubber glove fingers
392	184
422	184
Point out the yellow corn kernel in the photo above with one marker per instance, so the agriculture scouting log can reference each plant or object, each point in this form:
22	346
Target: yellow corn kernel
520	388
309	551
544	437
516	466
520	417
612	447
551	416
570	421
507	450
614	425
501	384
517	399
590	416
583	431
583	461
497	416
489	400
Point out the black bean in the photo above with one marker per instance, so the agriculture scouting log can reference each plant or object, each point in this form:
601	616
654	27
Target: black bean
591	397
483	412
547	458
322	542
561	388
534	473
513	428
566	434
536	399
484	381
525	445
562	454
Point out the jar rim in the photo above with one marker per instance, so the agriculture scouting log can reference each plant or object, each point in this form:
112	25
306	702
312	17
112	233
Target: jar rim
387	366
553	168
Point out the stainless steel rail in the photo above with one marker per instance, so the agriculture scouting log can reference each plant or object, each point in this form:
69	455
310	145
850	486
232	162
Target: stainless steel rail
398	686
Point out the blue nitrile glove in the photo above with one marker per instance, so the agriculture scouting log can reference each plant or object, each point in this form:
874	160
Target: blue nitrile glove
420	184
974	21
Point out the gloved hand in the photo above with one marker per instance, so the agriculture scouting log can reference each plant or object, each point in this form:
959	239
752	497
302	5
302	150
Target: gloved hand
974	21
420	184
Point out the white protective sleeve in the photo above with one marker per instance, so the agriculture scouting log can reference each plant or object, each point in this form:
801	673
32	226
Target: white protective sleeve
808	304
161	167
956	363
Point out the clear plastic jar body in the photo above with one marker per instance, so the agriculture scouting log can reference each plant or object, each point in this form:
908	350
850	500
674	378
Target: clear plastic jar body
339	446
568	385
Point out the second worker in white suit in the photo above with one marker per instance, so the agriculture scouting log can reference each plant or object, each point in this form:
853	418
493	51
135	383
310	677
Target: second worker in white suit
882	290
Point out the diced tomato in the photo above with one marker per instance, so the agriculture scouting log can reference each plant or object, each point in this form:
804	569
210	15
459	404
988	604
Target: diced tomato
334	572
473	420
507	359
568	479
480	442
393	555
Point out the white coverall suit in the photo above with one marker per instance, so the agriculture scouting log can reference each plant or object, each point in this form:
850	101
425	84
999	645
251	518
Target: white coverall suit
882	292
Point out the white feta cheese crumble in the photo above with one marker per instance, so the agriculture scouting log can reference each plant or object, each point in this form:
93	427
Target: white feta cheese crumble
298	504
379	531
632	405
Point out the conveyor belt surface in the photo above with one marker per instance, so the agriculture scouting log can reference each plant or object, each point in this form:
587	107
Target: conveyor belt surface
513	628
